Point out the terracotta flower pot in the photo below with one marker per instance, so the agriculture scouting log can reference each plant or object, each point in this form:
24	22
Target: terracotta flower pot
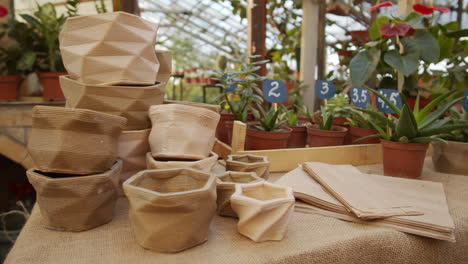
403	159
357	133
205	164
298	138
51	86
110	49
339	121
70	203
249	163
225	187
131	102
75	141
264	210
324	138
222	131
171	210
165	65
132	148
256	139
9	85
182	131
450	157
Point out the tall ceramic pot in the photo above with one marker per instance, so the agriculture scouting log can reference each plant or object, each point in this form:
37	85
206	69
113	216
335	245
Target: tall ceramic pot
324	138
165	65
450	157
403	159
256	139
9	86
51	86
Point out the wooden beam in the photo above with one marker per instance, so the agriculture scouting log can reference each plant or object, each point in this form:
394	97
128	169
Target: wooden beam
256	31
239	131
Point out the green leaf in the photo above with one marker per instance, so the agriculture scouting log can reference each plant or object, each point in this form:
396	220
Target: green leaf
407	126
428	108
406	63
368	137
441	130
363	65
429	119
374	31
426	139
458	33
427	45
26	61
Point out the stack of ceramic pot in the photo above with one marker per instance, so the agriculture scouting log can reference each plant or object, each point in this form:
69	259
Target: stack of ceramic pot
115	69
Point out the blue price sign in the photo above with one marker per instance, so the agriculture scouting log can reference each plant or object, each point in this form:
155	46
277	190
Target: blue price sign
465	101
231	87
324	89
360	97
274	91
393	96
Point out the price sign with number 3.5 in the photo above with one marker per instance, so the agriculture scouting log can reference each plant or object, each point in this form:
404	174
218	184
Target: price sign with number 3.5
465	101
274	91
324	89
393	96
360	97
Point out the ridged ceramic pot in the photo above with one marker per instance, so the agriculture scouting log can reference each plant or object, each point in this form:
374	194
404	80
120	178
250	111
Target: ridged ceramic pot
225	187
165	65
131	102
205	164
74	141
110	48
171	210
264	210
182	131
249	163
450	157
69	203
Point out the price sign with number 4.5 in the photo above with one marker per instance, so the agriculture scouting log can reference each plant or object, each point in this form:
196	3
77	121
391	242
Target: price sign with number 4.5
324	89
393	96
274	91
360	97
465	101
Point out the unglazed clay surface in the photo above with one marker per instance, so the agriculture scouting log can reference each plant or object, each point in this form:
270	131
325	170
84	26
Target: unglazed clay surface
249	163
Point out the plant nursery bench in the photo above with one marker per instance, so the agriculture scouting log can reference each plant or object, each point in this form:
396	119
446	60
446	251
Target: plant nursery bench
311	238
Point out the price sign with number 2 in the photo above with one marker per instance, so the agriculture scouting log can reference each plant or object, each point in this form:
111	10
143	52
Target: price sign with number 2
393	96
360	97
274	91
324	89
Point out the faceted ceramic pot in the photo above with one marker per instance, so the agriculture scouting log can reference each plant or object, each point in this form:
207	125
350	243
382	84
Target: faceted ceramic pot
76	203
298	138
75	141
171	210
357	133
264	210
110	48
225	187
205	164
403	159
165	65
214	108
131	102
182	131
256	139
249	163
450	157
324	138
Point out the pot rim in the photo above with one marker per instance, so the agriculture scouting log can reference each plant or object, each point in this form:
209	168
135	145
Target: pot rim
264	161
288	130
238	195
404	146
230	185
212	156
336	129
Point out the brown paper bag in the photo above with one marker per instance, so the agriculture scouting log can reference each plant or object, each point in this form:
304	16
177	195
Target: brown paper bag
182	131
131	102
75	141
165	65
249	163
450	157
225	187
264	210
205	164
76	203
171	210
111	48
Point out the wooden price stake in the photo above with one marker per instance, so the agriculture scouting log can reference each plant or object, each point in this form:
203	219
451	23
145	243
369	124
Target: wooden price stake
274	91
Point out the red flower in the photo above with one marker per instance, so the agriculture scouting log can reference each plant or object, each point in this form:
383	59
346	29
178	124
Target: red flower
390	30
3	11
378	6
427	10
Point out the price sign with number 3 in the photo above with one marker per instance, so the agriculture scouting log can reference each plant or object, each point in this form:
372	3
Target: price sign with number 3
360	97
324	89
465	101
274	91
393	96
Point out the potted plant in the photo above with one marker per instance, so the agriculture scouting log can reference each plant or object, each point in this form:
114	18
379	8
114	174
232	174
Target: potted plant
298	138
9	75
267	132
339	105
324	133
405	140
360	125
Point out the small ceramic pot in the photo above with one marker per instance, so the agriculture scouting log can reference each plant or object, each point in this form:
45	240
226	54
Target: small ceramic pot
264	210
403	159
257	140
249	163
225	187
171	210
182	131
110	49
214	108
75	141
450	157
205	164
69	203
325	138
357	133
131	102
165	65
298	138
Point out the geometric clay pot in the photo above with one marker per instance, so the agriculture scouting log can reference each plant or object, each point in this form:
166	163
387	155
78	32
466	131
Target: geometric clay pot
264	210
110	49
131	102
450	157
165	65
182	131
225	187
76	203
249	163
74	141
171	210
205	164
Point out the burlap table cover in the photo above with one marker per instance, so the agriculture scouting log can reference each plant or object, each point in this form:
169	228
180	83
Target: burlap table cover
310	239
